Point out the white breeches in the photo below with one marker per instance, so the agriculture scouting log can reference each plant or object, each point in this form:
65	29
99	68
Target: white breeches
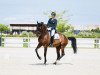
52	32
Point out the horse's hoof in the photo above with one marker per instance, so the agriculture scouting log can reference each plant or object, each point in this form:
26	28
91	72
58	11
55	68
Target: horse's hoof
55	63
44	63
59	58
40	58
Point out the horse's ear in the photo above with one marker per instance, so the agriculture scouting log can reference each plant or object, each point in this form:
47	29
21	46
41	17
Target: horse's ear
37	22
42	23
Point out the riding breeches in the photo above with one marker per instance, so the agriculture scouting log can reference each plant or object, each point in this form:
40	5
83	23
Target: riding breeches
52	32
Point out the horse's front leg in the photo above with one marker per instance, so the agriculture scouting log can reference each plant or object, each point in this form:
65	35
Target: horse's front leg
58	54
36	50
45	53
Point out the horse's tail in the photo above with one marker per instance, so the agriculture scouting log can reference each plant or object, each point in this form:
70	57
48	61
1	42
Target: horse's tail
73	43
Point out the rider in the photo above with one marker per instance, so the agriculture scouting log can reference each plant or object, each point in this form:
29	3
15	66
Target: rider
52	23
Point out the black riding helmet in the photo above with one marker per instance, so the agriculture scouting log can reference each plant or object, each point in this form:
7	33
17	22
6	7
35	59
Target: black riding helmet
53	14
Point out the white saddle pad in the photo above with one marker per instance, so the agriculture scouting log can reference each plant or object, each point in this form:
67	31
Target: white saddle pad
56	36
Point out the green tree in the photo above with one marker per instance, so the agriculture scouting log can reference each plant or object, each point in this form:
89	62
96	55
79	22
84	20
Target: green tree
96	30
31	34
4	28
24	34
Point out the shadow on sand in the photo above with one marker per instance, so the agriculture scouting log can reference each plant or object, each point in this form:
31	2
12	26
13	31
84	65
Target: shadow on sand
41	64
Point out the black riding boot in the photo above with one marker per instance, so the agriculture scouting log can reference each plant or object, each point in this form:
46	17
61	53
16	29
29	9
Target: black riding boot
51	41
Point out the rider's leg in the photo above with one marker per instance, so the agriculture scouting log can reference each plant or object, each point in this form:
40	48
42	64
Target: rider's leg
52	37
52	32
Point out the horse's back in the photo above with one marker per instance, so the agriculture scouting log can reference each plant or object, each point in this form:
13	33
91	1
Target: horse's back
63	40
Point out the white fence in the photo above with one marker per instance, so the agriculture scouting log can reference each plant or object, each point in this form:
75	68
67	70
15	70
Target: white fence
87	43
32	42
13	42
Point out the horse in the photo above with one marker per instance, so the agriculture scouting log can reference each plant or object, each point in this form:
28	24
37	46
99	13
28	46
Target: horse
59	44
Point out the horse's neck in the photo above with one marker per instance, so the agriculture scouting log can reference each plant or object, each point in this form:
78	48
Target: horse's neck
44	34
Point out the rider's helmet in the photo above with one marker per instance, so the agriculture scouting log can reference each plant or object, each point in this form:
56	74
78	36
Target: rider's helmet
53	14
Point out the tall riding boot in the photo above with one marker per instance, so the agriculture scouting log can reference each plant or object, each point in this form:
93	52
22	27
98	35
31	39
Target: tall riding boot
51	41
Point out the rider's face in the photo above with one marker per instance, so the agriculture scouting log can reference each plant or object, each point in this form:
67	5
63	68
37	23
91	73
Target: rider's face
52	16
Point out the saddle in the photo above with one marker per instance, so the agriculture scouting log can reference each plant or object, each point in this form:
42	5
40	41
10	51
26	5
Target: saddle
56	35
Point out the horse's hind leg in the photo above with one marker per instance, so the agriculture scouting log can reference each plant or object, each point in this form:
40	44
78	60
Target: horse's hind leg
36	50
58	52
62	51
45	53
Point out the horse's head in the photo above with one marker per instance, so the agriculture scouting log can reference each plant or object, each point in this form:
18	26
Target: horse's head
41	28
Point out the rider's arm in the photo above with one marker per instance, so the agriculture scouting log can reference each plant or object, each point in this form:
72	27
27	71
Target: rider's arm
55	24
48	24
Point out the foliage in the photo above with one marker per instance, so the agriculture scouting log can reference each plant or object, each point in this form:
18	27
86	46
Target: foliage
83	34
4	28
31	34
10	35
96	30
88	34
69	34
24	34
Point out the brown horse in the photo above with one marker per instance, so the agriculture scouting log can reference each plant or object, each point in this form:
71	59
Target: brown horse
44	40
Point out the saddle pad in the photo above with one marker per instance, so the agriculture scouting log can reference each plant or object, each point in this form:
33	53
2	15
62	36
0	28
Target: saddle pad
56	36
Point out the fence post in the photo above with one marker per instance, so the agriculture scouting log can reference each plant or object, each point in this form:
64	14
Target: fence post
96	43
0	41
28	41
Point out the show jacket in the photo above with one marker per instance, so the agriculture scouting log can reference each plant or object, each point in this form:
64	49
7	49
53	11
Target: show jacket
52	23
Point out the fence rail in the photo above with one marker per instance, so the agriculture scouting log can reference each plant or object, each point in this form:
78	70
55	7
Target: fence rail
32	42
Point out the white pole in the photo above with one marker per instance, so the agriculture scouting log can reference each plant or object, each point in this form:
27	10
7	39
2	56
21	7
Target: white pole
28	41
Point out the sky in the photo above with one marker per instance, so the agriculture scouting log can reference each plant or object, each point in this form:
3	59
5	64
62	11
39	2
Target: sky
79	12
